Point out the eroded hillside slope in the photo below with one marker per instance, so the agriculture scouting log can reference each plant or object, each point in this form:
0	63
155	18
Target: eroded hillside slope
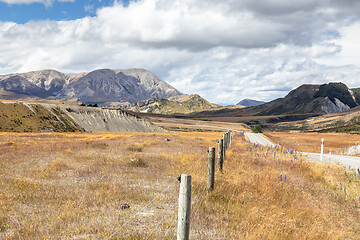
37	117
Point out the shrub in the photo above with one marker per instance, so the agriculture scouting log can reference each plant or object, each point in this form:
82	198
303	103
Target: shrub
257	129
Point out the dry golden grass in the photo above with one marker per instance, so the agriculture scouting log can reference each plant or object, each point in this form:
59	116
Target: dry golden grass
310	142
73	185
322	120
68	185
253	203
189	125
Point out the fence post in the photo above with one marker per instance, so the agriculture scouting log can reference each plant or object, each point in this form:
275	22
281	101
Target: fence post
230	138
227	140
221	154
211	169
183	230
224	145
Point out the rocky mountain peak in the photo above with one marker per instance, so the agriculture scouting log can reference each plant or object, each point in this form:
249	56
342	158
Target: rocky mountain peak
99	86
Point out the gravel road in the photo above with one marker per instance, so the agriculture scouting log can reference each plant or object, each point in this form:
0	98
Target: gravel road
348	161
259	139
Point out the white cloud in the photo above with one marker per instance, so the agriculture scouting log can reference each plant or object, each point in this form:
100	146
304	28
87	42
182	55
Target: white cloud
89	8
350	48
224	50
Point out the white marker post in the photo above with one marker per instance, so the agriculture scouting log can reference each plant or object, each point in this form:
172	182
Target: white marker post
322	149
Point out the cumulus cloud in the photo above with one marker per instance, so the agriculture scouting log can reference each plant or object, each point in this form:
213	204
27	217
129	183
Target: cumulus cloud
224	50
350	49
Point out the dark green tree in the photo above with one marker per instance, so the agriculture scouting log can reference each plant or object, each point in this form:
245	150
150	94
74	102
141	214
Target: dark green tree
256	129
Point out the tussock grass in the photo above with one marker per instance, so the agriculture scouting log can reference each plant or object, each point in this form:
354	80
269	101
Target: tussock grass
71	185
60	186
255	203
137	162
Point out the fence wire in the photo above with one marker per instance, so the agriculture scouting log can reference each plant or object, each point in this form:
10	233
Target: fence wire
197	199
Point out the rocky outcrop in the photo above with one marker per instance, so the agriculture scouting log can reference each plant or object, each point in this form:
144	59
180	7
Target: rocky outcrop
334	107
108	120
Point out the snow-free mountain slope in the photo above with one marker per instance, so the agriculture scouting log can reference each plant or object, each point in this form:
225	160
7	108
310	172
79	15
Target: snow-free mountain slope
99	86
250	102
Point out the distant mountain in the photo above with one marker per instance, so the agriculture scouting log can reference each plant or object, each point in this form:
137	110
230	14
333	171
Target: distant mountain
300	103
250	102
104	86
319	99
178	104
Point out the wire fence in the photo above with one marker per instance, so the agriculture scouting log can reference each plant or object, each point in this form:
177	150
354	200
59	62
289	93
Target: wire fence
157	219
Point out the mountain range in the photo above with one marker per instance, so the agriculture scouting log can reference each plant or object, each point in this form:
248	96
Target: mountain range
142	91
302	102
104	86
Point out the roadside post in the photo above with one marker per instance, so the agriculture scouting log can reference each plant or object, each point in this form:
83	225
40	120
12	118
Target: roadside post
322	149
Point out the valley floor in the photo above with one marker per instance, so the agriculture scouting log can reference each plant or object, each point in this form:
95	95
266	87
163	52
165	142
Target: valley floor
77	185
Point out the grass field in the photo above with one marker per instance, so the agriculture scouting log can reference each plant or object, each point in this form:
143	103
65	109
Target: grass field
195	125
76	185
311	142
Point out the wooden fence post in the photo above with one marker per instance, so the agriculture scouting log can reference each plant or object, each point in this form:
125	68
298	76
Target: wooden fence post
183	229
230	138
221	154
211	169
227	140
224	146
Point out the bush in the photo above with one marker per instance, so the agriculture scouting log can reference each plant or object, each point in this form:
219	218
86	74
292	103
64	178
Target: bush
257	129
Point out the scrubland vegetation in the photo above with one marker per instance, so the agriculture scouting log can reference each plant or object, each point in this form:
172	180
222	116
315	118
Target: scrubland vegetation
77	185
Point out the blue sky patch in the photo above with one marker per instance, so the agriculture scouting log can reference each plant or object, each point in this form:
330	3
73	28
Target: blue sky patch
58	11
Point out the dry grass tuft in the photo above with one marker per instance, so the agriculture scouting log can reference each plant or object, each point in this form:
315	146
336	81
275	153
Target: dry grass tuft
137	162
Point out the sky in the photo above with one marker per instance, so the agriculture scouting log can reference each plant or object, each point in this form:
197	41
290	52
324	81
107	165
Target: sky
223	50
